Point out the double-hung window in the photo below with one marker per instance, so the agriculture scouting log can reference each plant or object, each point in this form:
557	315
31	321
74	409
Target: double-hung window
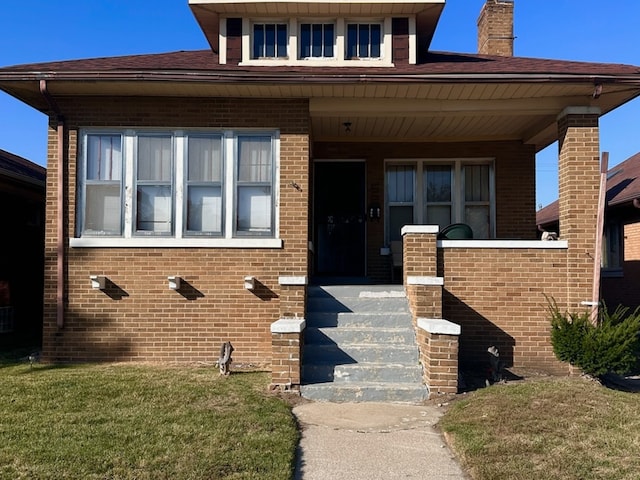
102	192
204	195
317	40
269	40
400	198
254	182
154	184
178	187
451	191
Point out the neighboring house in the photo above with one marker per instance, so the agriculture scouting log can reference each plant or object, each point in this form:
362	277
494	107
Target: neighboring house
620	274
22	196
309	137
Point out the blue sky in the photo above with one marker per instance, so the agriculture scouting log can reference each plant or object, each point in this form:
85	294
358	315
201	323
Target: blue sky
43	30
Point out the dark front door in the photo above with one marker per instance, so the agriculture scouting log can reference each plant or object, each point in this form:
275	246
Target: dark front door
339	218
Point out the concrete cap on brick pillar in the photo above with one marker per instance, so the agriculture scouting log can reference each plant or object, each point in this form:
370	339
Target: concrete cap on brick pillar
288	325
439	326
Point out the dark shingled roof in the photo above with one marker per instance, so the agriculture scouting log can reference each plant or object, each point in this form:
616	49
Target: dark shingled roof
623	186
433	64
15	165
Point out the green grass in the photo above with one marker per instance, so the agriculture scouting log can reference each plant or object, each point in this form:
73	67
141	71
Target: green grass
564	429
141	422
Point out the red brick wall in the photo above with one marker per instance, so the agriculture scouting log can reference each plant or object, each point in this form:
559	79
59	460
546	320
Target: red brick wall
139	318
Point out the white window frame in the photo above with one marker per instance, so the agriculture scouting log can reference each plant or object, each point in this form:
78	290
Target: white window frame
293	51
458	203
317	21
179	236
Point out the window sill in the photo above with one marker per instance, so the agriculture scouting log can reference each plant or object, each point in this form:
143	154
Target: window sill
175	242
376	62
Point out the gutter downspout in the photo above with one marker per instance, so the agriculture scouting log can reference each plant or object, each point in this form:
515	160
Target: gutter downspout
60	257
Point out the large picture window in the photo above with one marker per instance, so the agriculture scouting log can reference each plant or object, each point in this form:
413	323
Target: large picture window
440	193
177	184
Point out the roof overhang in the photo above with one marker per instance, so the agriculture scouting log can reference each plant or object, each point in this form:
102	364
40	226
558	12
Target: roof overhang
209	12
436	108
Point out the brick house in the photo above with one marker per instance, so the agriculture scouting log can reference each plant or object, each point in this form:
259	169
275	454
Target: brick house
193	196
22	194
620	274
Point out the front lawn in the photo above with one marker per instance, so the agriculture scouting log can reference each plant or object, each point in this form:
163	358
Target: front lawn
555	429
141	422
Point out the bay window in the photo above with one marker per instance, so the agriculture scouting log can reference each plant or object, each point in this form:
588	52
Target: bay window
145	185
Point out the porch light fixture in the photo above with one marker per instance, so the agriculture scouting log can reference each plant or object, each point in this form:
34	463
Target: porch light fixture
174	282
249	282
347	127
98	281
597	90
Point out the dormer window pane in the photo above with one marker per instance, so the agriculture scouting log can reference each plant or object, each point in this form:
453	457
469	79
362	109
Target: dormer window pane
316	40
363	40
269	40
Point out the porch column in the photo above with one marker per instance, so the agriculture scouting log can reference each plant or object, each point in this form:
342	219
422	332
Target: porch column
419	269
287	334
578	181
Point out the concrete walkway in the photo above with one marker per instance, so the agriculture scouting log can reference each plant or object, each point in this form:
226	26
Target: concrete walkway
372	441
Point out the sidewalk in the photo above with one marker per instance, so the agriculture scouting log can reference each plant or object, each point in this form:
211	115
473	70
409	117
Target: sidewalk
367	441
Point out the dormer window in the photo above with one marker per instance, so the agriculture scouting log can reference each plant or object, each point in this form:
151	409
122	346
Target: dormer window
317	40
269	40
364	40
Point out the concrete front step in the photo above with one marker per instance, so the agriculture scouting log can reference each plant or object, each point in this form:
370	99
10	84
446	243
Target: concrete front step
362	372
350	304
359	335
360	346
358	353
355	291
348	319
365	392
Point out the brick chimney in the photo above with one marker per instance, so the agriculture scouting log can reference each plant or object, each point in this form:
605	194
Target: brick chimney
495	28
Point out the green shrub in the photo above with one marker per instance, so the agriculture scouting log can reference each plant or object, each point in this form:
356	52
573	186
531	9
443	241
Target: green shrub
613	345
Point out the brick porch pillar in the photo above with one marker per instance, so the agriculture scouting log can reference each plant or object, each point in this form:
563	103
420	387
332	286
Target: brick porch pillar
287	334
578	181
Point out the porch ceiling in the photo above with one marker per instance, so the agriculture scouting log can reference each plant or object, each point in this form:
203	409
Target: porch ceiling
391	111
